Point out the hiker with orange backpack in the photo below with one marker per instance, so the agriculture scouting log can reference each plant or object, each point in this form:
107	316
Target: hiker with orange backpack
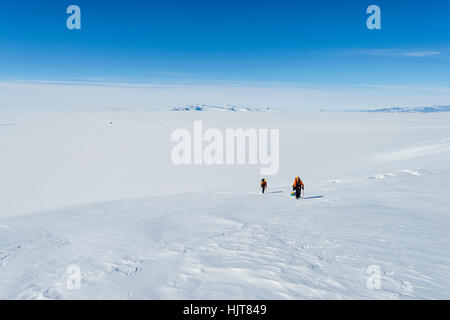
298	186
263	185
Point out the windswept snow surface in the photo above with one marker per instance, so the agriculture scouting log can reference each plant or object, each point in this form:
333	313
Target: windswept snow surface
96	189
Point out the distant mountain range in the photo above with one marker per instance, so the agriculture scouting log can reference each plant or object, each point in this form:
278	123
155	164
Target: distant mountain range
233	108
203	107
433	109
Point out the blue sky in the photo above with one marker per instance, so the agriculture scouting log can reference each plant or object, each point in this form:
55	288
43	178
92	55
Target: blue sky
309	42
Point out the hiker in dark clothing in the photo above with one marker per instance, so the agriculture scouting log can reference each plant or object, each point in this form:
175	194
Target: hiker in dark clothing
298	186
263	185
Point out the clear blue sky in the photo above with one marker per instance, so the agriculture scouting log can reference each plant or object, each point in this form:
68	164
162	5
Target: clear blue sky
269	41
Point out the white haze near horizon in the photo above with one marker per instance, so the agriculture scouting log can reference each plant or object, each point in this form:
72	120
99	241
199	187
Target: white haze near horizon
307	97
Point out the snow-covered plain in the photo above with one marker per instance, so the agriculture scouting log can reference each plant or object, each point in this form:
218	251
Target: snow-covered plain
96	188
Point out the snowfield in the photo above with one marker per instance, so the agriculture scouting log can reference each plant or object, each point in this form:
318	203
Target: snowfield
96	188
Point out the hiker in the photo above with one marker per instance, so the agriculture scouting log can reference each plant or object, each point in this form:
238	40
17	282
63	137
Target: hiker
263	185
298	186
